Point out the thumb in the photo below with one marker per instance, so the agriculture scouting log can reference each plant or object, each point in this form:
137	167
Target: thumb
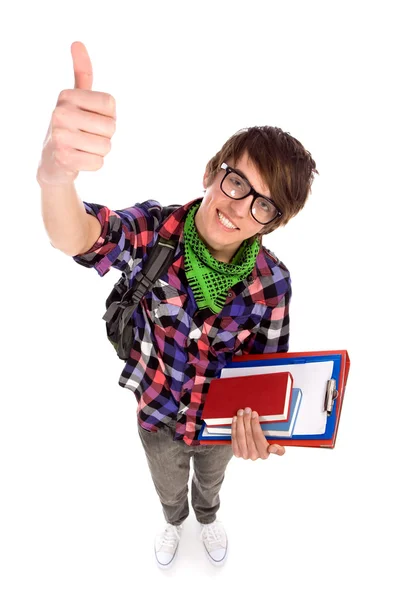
276	449
82	66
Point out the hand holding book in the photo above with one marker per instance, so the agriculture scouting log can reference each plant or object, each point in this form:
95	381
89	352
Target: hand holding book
248	439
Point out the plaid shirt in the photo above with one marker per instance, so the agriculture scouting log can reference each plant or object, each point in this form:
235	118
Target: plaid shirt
178	349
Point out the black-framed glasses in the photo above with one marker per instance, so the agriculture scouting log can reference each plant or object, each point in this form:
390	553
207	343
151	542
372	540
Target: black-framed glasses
235	186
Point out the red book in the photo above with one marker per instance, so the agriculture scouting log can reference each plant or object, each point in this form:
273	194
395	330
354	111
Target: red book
268	393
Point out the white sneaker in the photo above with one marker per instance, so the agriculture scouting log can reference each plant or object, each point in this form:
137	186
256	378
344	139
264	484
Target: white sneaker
215	542
166	545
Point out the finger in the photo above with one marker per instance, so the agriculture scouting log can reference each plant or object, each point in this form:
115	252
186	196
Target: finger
74	119
259	437
95	102
251	447
75	160
83	71
241	435
235	447
276	449
79	140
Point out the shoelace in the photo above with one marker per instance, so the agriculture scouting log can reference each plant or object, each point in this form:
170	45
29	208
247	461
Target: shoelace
169	536
212	534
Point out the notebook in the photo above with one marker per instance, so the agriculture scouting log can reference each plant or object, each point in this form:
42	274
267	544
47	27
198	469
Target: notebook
268	393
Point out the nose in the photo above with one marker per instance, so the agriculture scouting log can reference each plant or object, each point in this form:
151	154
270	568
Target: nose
241	208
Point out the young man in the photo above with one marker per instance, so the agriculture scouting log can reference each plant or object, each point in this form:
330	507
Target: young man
224	294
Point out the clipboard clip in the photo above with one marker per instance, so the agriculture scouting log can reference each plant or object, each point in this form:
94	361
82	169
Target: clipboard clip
330	396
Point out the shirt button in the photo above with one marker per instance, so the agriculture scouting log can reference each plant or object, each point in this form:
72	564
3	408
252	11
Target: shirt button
230	294
251	279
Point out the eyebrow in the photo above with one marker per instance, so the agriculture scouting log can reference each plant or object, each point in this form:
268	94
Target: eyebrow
242	174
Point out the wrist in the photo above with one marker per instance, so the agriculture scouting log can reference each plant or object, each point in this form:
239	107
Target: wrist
46	180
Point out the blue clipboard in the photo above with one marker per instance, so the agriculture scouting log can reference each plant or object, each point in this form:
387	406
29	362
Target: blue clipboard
339	374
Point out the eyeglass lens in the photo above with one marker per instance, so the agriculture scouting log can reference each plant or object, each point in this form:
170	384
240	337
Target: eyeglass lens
236	187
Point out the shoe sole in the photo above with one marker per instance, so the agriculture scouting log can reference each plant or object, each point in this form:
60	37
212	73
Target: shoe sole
168	566
216	563
161	565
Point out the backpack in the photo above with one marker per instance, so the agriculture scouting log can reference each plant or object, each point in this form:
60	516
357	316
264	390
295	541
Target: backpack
123	300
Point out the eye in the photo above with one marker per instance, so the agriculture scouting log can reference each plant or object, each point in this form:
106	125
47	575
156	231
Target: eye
236	182
266	206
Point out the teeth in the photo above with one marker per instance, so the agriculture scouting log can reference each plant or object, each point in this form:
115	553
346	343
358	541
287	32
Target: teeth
225	221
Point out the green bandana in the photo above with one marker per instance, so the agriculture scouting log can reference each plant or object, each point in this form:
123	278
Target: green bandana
209	278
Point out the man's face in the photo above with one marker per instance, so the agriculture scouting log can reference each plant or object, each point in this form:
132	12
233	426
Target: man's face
221	240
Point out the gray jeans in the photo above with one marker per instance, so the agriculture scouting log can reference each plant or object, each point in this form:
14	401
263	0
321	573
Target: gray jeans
169	463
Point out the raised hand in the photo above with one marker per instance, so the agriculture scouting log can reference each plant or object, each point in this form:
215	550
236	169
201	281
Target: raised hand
82	125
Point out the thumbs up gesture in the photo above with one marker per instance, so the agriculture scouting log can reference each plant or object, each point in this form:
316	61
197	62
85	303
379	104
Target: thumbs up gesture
82	125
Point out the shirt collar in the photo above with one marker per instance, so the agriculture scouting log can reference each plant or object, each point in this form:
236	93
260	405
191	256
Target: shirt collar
172	228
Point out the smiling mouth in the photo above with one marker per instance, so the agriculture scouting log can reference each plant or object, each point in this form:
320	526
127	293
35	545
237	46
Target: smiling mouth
225	221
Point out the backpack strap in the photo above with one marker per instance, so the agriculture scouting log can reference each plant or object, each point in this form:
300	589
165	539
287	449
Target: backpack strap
159	259
123	299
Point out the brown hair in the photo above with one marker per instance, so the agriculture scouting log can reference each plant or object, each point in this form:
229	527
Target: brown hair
286	166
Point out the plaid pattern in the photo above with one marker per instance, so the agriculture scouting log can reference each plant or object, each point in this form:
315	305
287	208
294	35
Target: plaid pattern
178	349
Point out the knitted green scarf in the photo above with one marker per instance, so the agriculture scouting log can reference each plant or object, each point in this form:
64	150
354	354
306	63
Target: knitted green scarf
209	278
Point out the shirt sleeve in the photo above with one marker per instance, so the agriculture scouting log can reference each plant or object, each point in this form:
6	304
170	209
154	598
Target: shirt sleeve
273	333
126	235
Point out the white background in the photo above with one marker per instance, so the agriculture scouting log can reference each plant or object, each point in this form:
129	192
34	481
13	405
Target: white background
78	512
